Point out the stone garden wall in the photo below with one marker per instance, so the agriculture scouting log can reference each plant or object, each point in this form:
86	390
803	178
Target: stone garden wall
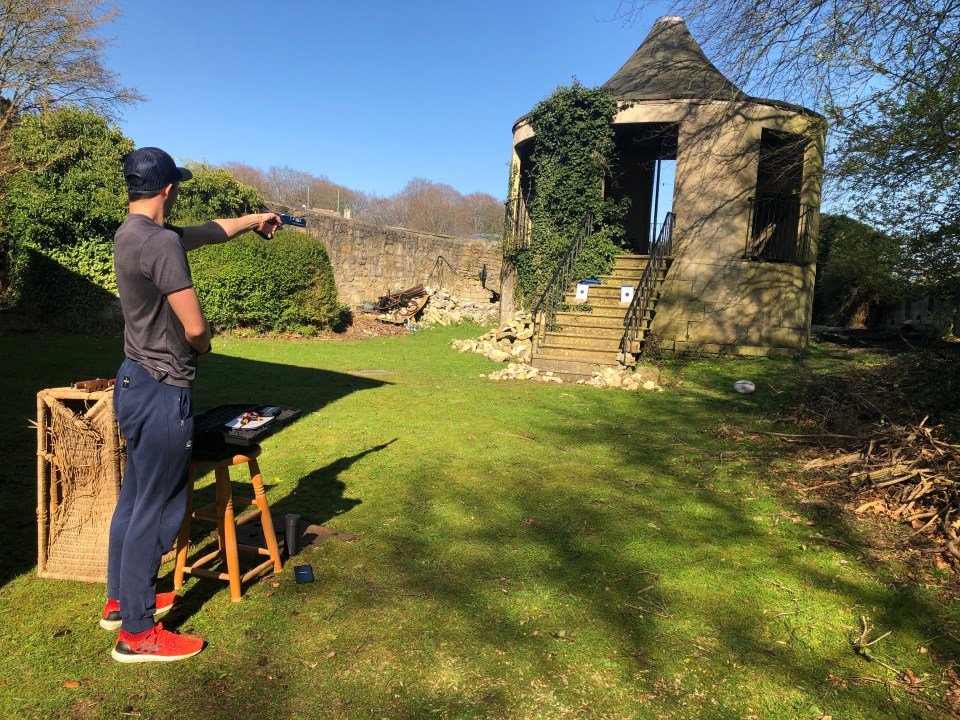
371	261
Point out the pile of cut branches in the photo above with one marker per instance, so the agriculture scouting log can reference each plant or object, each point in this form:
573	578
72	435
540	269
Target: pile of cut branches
876	444
905	473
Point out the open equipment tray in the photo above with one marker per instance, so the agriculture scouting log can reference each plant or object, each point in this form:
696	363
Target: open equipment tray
211	435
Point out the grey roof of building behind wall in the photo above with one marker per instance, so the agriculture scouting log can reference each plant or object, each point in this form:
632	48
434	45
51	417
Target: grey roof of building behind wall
670	65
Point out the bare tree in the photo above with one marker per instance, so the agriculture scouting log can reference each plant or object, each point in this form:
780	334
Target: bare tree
328	195
250	176
433	206
828	54
287	185
486	213
421	204
51	54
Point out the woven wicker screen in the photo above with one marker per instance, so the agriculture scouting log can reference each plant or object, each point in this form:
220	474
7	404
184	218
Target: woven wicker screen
80	459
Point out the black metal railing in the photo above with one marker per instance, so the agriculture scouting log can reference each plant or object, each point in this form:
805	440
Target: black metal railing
635	322
516	225
641	246
545	311
779	231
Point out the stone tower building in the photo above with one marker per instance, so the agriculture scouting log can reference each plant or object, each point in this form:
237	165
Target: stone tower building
745	194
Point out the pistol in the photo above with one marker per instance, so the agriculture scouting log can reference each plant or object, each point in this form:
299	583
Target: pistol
284	219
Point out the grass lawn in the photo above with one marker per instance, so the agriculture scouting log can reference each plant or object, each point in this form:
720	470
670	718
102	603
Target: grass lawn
524	551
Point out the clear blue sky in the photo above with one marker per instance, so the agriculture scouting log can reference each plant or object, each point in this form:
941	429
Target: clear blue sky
369	94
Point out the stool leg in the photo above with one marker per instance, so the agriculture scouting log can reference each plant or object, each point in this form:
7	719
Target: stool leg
183	538
266	520
228	530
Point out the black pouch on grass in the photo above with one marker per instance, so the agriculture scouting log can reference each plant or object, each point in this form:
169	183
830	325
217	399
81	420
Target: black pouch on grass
303	573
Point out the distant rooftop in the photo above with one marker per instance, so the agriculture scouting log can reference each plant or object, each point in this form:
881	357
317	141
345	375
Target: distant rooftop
669	65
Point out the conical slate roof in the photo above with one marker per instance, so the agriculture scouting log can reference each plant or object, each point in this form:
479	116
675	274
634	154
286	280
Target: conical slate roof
669	65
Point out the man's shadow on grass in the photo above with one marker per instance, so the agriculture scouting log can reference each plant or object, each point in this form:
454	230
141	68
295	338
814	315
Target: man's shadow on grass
318	498
319	495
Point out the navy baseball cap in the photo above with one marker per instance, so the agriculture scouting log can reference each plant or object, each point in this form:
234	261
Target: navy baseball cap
150	168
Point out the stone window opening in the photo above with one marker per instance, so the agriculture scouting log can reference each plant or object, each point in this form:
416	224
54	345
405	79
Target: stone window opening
779	221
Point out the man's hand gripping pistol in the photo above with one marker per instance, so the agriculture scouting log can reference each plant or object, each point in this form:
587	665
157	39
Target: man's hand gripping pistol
284	220
267	234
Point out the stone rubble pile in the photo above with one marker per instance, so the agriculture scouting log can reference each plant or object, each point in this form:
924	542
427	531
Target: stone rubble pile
621	377
612	377
522	371
446	309
511	341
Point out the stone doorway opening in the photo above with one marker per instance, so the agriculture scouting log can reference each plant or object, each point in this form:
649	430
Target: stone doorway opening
644	174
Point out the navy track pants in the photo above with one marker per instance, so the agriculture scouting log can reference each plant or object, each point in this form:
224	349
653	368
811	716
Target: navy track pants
157	422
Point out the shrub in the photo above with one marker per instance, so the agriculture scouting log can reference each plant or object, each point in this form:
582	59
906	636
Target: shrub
281	285
212	193
856	271
59	213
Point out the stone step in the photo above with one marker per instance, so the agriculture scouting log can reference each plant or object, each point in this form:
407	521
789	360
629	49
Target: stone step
621	278
629	272
598	302
593	327
601	317
609	343
564	351
570	372
635	267
598	295
601	291
631	261
566	369
594	306
585	342
608	298
572	321
609	288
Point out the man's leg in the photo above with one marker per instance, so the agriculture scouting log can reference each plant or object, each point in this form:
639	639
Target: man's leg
118	526
161	423
128	488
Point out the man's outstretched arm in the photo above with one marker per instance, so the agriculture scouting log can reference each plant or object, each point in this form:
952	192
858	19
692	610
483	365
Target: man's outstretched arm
219	231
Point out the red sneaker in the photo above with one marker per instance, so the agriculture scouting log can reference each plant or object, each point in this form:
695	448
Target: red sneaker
154	645
110	620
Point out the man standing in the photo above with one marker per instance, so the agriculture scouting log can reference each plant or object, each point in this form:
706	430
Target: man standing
164	332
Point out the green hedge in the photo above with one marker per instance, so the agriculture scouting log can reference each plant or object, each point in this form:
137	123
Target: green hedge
60	209
57	218
280	285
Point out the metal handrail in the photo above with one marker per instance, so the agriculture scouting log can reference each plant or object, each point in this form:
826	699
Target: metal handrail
636	314
545	311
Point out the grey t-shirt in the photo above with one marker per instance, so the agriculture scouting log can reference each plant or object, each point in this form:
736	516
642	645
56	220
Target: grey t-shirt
151	263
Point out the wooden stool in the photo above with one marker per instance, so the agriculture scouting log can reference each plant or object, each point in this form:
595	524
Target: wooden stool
222	513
